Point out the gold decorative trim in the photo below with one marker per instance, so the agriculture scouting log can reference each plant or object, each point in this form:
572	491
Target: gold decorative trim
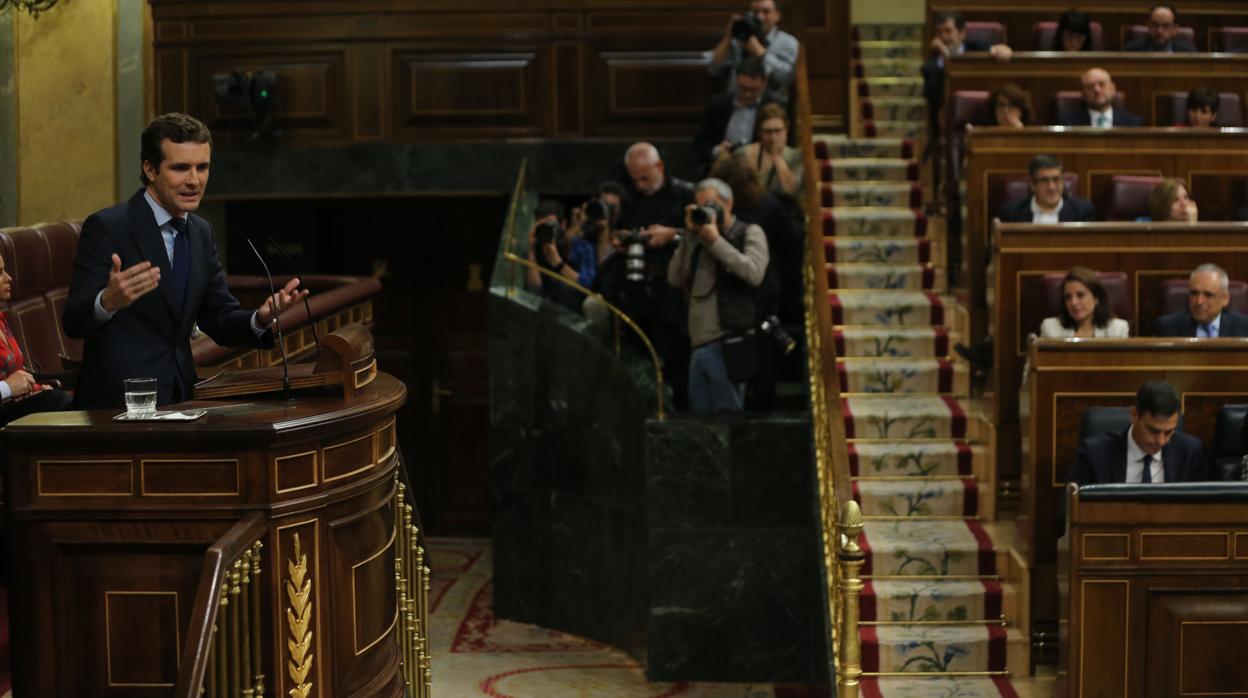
324	459
315	471
299	620
1182	641
370	371
1083	626
108	644
354	629
1213	535
1241	543
39	478
1127	545
143	477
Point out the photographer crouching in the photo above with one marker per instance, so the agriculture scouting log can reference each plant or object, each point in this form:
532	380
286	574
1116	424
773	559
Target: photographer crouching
566	253
720	264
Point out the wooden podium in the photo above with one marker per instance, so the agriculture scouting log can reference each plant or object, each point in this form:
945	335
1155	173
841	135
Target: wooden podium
112	528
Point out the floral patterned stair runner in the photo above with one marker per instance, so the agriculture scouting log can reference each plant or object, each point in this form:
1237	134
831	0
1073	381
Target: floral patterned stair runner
935	609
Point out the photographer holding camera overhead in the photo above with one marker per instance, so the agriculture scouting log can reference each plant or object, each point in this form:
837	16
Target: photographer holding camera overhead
757	34
720	264
571	256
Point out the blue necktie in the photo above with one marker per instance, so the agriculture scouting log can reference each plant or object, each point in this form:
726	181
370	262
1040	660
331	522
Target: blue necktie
181	263
1147	477
1209	329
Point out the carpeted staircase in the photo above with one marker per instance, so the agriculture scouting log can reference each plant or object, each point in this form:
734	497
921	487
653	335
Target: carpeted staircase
941	615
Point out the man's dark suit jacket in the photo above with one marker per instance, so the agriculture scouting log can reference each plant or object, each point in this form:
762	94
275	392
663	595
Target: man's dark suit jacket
715	122
150	338
934	78
1074	210
1182	324
1103	459
1122	118
1143	43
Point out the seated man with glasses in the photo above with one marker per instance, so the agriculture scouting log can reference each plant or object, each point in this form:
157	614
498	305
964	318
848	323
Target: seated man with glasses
1049	202
1162	37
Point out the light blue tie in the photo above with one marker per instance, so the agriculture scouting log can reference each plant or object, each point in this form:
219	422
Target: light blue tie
1101	121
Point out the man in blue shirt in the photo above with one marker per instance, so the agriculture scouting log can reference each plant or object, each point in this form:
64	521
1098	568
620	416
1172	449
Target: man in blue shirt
778	50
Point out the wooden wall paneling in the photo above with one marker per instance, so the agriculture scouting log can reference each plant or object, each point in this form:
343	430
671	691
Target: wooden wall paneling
638	88
825	39
568	84
1115	16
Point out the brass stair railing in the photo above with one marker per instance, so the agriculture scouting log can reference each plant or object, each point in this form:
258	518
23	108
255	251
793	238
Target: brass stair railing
831	456
411	579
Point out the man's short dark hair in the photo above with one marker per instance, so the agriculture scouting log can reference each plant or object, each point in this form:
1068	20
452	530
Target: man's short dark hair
1157	398
752	66
1043	162
1203	97
958	20
175	127
613	187
550	207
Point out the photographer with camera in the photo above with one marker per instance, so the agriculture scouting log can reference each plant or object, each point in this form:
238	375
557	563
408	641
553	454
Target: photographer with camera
720	264
570	256
756	34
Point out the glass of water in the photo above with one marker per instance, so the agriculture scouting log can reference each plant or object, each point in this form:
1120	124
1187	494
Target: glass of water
140	397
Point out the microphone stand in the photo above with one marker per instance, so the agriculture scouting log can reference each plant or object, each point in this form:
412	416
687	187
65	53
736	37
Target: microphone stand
281	344
316	335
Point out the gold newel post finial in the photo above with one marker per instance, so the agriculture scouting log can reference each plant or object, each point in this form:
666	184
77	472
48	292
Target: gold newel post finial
299	618
850	557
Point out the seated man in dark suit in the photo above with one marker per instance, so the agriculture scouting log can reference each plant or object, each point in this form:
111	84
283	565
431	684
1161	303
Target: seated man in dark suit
950	40
729	118
1151	450
1162	37
1099	91
1049	202
1208	291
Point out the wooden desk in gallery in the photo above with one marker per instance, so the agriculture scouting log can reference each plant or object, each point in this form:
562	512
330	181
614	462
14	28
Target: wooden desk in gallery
109	522
1155	591
1140	77
1067	377
1209	160
1115	16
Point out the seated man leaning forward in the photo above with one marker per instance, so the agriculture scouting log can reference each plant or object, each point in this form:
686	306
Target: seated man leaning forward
1208	293
720	264
1049	202
1151	450
154	242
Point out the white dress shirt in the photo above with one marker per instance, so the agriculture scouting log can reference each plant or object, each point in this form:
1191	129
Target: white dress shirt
1094	118
1135	462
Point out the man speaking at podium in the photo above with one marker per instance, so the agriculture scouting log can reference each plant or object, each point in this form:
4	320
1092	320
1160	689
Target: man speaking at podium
153	243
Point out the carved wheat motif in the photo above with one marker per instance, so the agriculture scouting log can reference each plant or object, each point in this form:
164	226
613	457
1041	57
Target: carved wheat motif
299	618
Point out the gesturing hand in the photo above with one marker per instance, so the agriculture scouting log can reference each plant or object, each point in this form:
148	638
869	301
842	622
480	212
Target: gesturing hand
128	285
21	383
286	295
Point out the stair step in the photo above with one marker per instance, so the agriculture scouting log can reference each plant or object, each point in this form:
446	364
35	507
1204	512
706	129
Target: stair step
904	50
871	221
889	87
885	277
881	250
907	308
887	32
936	548
894	109
918	497
885	68
895	129
905	417
896	600
935	648
937	686
869	170
948	459
896	376
872	194
839	146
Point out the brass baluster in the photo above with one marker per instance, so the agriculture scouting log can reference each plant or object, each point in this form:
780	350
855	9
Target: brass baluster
245	671
849	668
236	663
424	613
223	681
258	677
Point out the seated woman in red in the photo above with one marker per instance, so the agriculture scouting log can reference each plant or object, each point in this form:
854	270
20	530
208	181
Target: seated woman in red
20	393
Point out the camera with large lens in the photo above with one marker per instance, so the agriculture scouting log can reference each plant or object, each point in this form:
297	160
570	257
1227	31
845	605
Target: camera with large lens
772	328
748	26
597	210
634	254
706	214
547	232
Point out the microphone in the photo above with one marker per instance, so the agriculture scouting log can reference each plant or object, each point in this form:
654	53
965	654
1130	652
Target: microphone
281	345
316	335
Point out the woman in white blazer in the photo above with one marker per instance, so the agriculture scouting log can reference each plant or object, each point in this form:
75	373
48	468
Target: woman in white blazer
1085	309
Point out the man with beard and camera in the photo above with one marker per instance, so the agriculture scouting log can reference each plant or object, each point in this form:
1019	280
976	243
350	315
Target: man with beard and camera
571	256
720	264
757	34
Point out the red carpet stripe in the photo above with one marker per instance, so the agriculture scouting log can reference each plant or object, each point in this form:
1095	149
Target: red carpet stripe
838	312
987	555
929	277
821	150
1004	687
996	648
867	602
870	688
938	308
829	249
965	458
829	224
838	338
866	552
957	417
856	494
916	195
942	341
970	501
853	460
825	195
848	417
925	251
993	599
920	223
833	279
945	381
907	148
825	170
912	171
870	648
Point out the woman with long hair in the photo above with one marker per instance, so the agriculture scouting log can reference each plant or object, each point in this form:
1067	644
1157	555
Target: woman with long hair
1085	309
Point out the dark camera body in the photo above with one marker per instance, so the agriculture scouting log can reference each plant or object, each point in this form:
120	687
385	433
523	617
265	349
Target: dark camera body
748	26
598	210
710	213
547	232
